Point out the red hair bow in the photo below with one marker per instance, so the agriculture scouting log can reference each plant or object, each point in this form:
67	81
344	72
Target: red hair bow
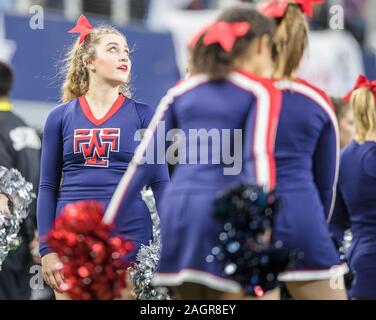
277	8
222	32
83	27
362	82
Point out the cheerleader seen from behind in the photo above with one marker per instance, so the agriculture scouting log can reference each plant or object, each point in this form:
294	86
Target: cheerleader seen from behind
227	59
306	152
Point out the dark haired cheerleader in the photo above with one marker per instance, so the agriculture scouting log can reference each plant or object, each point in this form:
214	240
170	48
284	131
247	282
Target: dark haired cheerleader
227	59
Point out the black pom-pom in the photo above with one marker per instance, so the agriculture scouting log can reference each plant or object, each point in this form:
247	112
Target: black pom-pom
245	214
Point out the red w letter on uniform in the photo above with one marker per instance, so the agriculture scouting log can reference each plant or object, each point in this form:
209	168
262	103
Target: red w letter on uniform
96	145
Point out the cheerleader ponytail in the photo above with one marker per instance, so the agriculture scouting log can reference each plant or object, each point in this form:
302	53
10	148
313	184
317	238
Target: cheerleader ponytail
290	41
77	76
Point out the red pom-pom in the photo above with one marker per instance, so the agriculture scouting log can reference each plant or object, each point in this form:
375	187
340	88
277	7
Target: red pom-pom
93	266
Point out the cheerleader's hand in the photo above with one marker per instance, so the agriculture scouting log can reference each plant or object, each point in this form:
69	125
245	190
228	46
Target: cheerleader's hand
52	271
4	205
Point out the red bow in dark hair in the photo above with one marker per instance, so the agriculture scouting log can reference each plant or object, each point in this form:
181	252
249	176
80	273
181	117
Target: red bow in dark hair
83	27
277	8
222	32
362	82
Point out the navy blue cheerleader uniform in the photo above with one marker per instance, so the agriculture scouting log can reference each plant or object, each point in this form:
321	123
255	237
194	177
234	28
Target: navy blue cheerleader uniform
188	228
84	158
356	209
306	154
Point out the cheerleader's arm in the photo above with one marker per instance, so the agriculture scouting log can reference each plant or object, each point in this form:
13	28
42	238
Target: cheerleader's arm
50	176
156	175
340	221
326	166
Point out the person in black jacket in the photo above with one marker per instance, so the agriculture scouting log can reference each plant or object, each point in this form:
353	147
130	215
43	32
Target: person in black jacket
19	149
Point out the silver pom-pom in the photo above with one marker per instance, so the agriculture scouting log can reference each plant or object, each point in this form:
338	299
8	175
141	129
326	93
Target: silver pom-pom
19	193
147	259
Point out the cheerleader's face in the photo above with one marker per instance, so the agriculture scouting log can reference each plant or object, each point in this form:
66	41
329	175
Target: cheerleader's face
111	62
346	128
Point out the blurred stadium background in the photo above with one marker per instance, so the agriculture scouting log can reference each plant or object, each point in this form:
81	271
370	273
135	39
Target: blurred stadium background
157	31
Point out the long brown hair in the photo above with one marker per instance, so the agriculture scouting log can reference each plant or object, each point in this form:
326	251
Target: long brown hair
213	59
76	75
